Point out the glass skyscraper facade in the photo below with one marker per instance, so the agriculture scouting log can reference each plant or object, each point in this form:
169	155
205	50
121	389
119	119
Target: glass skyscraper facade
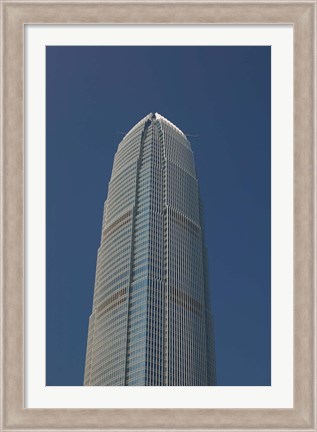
151	322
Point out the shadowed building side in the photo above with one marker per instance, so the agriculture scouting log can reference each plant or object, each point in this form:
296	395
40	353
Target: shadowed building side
151	322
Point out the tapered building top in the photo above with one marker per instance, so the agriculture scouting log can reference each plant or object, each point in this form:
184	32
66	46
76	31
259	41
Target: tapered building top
151	322
157	116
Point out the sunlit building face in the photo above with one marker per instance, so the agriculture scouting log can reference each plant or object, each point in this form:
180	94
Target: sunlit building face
151	322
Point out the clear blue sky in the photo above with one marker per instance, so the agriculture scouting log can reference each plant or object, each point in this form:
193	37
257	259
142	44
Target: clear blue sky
221	94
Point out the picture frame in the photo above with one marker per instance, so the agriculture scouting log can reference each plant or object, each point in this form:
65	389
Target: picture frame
15	15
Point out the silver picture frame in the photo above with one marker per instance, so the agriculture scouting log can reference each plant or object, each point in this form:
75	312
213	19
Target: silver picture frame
15	15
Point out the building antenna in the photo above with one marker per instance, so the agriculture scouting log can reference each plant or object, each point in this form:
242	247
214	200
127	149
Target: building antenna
192	136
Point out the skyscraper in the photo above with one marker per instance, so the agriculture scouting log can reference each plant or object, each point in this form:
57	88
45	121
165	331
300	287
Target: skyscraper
151	322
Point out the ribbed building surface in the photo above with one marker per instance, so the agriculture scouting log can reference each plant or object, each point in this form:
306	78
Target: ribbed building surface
151	322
